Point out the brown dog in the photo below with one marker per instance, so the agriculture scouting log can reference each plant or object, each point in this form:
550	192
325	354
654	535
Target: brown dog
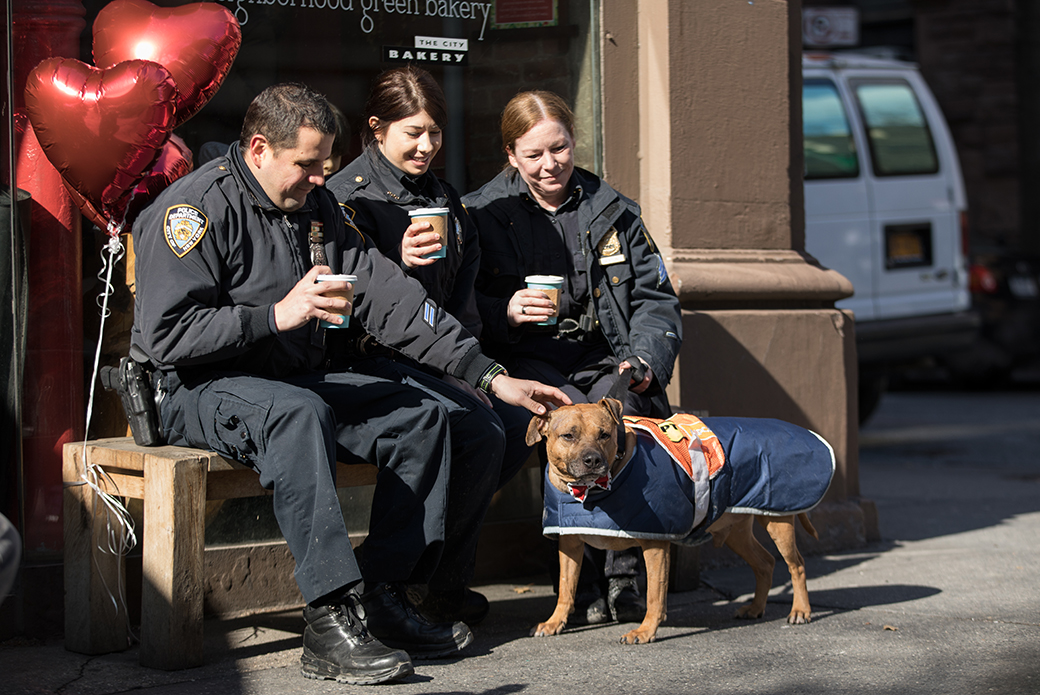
582	446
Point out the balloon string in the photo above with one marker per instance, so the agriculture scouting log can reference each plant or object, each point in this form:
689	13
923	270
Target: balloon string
119	538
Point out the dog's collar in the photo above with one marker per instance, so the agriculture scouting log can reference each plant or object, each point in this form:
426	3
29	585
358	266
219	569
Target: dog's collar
579	492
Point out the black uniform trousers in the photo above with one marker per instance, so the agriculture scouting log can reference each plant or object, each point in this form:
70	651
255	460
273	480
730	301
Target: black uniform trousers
476	446
293	430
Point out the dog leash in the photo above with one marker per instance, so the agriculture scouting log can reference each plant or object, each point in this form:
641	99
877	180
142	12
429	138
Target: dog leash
619	391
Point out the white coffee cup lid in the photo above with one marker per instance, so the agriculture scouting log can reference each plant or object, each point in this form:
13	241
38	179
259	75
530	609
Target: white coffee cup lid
427	212
544	279
337	278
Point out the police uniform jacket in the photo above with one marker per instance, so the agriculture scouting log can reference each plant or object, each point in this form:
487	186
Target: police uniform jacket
635	306
214	255
377	197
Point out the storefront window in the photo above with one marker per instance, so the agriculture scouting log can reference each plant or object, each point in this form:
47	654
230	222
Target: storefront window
482	53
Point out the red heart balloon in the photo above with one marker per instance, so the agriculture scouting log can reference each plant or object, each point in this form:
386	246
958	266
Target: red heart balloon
102	129
174	161
197	43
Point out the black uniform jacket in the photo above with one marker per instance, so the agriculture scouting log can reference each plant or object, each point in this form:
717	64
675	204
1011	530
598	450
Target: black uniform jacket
377	197
214	254
635	306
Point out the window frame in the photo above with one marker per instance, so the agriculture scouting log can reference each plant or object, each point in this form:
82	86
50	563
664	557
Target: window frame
854	148
875	161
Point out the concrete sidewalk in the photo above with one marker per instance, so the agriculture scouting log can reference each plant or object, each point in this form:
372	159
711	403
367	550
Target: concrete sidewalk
947	603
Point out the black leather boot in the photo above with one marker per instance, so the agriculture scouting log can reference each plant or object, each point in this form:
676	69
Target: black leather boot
624	601
463	605
395	622
590	607
336	646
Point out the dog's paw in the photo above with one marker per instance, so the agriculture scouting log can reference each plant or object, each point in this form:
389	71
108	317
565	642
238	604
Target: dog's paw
799	617
553	627
749	612
639	636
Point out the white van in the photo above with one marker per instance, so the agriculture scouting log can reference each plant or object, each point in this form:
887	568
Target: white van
885	206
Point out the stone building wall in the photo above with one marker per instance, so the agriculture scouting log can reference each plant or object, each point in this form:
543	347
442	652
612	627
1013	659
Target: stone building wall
966	50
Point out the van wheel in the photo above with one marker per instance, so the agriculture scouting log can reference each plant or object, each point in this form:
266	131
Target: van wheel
871	388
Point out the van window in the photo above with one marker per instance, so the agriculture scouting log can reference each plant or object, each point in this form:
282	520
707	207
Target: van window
900	141
830	151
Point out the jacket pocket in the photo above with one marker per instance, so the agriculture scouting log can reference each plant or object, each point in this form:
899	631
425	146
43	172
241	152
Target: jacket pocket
618	275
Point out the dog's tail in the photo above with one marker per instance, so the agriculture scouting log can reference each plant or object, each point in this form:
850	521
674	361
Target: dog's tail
807	525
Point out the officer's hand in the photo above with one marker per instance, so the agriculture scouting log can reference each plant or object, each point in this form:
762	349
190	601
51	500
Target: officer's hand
418	240
529	306
647	378
529	394
307	301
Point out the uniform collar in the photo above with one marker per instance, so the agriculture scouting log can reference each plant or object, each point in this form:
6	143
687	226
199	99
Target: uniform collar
397	185
241	171
575	193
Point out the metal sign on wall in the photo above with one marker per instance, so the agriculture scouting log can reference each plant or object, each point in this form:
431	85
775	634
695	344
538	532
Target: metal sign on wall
524	14
824	27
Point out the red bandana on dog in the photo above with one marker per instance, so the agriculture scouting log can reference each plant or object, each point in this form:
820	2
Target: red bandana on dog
579	492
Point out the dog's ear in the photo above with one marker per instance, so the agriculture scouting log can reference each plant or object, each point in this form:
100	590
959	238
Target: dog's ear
535	427
614	407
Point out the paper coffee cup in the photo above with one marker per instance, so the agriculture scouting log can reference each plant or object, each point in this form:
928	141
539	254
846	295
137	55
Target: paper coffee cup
347	294
438	219
550	284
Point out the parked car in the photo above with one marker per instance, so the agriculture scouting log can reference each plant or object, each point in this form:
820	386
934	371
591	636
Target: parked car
885	206
1005	291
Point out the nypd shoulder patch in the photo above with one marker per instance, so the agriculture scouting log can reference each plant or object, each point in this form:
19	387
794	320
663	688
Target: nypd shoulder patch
183	227
662	272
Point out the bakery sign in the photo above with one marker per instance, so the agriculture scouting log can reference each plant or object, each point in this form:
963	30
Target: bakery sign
429	50
370	11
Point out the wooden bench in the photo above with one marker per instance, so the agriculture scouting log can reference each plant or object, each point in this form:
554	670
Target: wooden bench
174	484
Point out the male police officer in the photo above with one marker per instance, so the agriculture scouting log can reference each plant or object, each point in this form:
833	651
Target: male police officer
227	312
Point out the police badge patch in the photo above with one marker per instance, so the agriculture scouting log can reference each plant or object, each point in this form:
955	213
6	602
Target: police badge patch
610	249
183	228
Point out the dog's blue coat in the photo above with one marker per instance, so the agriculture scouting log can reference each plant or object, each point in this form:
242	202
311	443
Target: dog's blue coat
772	467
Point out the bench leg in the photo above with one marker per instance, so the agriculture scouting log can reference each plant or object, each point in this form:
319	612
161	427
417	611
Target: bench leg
95	612
172	588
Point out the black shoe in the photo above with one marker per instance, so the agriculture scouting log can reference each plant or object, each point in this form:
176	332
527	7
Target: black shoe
393	619
590	608
337	646
463	605
624	601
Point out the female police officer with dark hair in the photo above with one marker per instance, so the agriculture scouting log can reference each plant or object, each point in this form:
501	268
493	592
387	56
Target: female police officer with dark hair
404	119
